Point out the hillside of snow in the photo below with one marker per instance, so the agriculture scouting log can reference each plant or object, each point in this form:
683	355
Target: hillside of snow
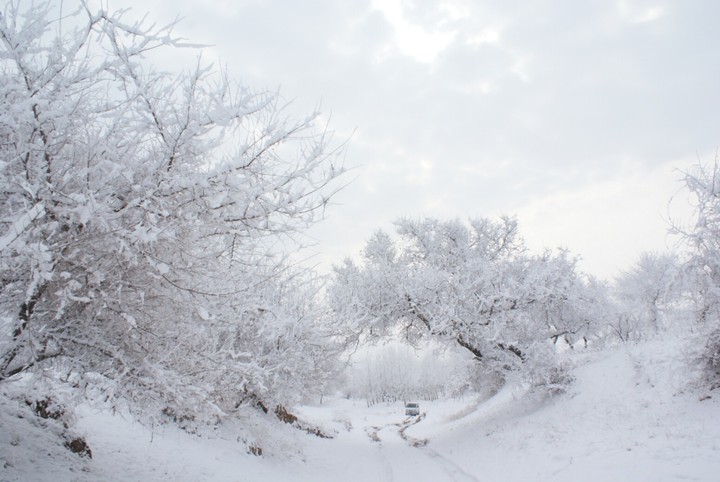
632	414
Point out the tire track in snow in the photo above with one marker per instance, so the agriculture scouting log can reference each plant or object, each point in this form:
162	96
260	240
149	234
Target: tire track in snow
456	472
372	432
450	467
389	473
453	470
415	442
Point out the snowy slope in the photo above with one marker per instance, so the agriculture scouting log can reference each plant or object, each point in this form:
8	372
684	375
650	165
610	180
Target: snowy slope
630	415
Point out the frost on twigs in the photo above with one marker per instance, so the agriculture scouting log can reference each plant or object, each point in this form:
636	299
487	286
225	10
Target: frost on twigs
142	215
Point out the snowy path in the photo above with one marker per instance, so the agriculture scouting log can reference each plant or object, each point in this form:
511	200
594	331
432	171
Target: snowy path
380	449
409	458
424	454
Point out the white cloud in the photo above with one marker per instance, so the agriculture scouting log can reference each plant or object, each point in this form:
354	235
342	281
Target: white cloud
411	39
486	36
520	68
421	174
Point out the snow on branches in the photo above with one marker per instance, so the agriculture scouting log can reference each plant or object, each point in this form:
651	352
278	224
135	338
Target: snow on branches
140	213
468	285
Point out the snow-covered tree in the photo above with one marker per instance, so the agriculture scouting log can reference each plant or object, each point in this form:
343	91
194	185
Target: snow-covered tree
703	267
648	297
474	286
142	214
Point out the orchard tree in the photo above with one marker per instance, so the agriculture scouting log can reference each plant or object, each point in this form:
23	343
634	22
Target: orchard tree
473	286
140	218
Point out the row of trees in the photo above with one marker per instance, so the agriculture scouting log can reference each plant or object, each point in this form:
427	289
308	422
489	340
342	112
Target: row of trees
142	220
475	286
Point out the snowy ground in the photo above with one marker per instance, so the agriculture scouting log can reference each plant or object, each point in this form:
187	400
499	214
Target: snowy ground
630	415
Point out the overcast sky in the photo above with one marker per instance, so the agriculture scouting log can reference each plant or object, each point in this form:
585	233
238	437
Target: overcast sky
573	115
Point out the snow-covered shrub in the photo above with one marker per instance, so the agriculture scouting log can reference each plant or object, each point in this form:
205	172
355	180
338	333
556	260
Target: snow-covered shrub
140	218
